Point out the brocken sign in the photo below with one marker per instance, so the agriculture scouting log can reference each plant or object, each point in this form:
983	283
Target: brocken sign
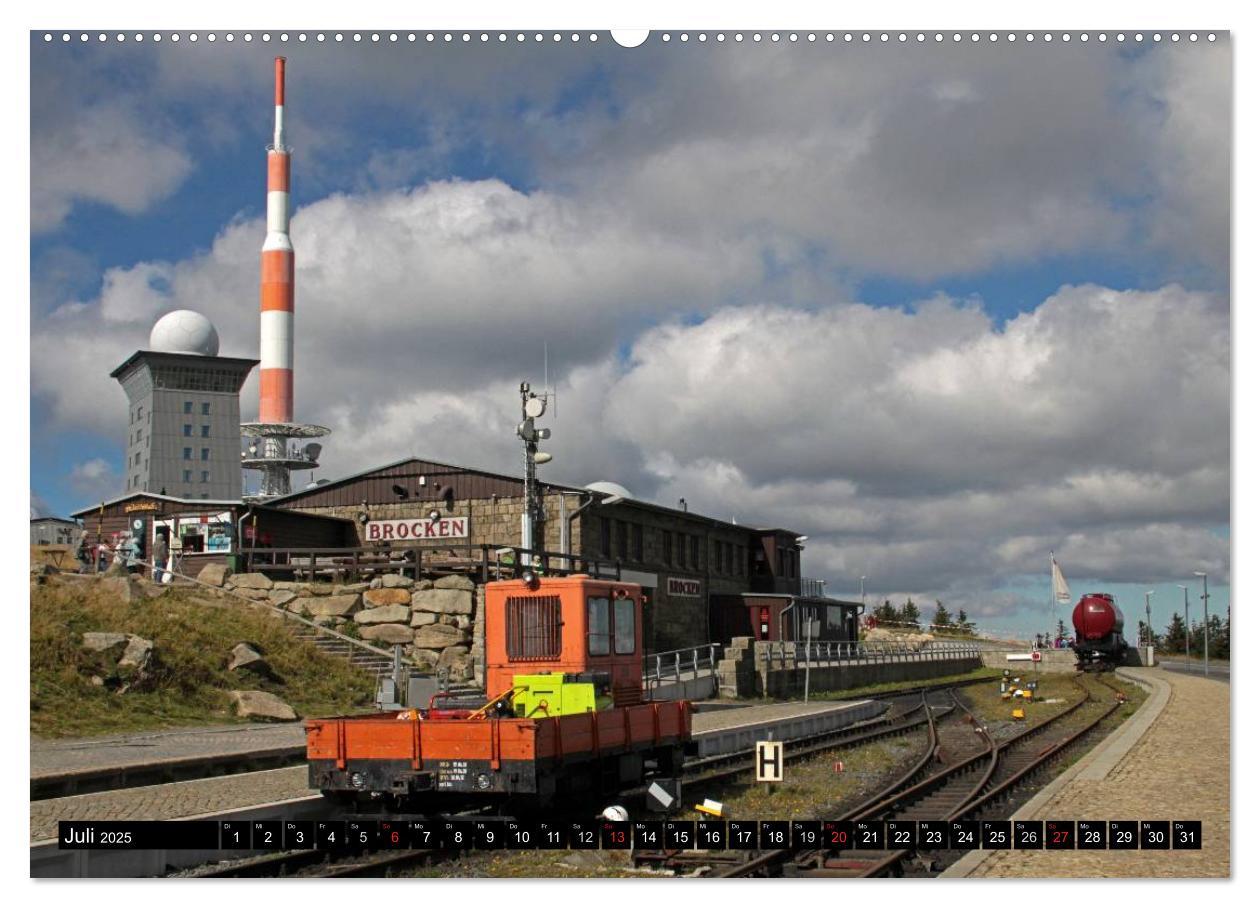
406	530
681	586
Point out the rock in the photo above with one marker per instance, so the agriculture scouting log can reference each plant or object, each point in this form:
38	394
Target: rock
281	598
420	619
295	586
396	581
327	606
452	655
258	704
387	596
253	581
104	641
137	654
245	656
387	633
345	588
97	681
423	585
214	574
428	656
463	622
385	614
375	583
122	586
443	601
454	582
254	593
438	636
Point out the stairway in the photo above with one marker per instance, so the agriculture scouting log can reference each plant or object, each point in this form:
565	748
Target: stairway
363	659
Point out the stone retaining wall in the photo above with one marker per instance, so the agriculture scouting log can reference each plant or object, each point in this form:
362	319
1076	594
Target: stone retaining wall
790	682
1052	660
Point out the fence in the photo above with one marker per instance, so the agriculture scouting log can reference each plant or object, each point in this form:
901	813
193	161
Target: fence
781	654
679	665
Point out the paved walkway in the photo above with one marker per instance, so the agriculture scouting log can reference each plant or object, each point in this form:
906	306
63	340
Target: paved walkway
1177	770
172	801
138	748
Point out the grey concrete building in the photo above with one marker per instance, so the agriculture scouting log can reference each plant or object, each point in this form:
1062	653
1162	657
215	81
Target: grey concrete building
184	423
55	531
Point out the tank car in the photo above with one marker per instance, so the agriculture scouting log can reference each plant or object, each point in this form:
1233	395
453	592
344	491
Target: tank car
1099	626
562	711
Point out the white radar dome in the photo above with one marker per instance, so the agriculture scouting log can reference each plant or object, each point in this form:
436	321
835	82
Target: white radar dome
184	331
615	489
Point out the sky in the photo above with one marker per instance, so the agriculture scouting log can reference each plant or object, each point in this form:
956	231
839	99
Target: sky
940	308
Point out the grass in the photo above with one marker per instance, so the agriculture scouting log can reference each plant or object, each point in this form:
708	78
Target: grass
850	693
188	683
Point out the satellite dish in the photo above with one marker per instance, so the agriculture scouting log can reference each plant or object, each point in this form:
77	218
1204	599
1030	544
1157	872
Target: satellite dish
313	450
535	407
542	457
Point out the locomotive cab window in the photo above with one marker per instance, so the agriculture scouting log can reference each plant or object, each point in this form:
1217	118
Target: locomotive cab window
598	631
623	626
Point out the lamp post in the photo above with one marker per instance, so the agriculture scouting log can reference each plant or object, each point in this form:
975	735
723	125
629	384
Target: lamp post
862	581
1150	641
1203	574
1185	592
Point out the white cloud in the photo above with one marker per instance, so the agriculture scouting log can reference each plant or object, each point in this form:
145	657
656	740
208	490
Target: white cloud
95	479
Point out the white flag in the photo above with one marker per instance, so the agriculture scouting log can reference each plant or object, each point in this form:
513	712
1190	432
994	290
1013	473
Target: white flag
1061	591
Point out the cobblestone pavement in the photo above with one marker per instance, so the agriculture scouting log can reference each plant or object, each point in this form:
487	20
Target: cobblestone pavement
168	802
137	748
1178	770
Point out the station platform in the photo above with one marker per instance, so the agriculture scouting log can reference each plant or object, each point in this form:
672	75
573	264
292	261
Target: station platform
1169	761
723	731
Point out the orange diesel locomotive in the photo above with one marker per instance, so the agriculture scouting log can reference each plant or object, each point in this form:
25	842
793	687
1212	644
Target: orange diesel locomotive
564	710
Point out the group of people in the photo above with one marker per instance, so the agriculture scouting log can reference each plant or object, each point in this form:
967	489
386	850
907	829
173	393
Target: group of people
128	553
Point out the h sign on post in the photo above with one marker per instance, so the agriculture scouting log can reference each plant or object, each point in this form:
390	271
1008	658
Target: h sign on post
769	761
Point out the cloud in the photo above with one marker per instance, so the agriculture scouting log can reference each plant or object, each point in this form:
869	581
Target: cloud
39	507
95	479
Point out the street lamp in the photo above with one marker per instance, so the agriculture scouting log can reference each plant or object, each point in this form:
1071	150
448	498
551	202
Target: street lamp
1203	574
1150	640
1185	592
863	589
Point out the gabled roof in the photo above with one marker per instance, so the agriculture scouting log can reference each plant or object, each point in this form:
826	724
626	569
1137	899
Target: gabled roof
56	519
416	460
83	512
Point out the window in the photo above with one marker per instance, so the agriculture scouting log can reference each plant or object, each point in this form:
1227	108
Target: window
717	556
188	476
667	546
205	431
695	553
205	453
623	540
682	550
136	482
636	541
205	475
187	453
623	627
533	628
605	536
187	430
205	408
598	633
205	494
188	406
728	555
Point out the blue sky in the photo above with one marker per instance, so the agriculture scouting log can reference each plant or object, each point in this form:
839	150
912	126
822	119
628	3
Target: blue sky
970	304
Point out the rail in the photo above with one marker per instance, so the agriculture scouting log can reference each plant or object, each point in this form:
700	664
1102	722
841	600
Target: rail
782	654
673	665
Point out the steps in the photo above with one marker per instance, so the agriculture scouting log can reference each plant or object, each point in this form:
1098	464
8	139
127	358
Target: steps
365	660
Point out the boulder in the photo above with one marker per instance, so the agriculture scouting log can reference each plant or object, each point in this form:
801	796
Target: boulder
439	636
214	574
428	656
387	596
254	593
420	619
345	588
452	655
327	606
443	601
281	598
454	582
246	656
385	614
296	586
387	633
396	582
423	585
258	704
253	581
137	654
374	583
110	644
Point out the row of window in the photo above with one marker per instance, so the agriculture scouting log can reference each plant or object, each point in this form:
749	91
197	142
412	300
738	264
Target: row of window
205	407
188	452
205	476
624	541
188	431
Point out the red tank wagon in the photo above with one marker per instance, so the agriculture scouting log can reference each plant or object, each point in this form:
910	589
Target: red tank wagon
521	740
1099	626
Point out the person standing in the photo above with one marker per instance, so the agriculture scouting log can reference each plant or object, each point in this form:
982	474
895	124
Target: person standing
159	556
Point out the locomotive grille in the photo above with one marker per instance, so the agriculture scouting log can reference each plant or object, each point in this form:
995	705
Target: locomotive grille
533	628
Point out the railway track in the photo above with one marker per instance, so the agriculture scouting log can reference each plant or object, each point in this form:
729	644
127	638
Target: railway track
972	785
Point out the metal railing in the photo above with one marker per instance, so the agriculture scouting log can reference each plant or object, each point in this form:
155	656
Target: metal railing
781	654
672	666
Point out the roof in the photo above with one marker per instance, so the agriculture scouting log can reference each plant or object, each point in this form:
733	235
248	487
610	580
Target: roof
132	360
83	512
55	519
293	496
